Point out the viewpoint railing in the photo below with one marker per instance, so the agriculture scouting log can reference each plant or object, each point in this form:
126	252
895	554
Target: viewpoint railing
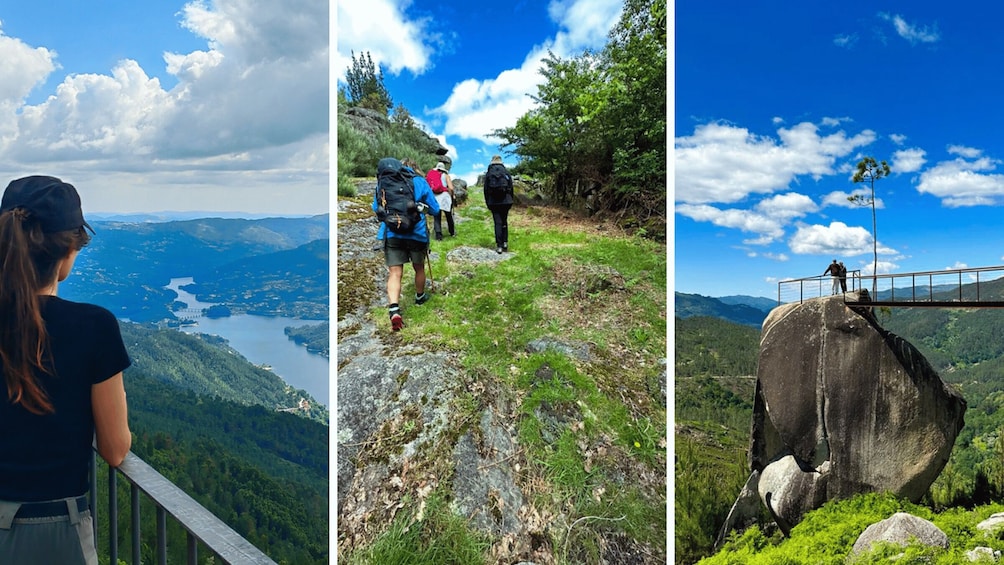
797	290
200	524
972	287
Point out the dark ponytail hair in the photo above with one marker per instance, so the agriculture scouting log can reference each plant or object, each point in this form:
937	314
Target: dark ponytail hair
29	259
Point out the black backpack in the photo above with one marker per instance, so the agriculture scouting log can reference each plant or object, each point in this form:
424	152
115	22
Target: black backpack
497	180
395	196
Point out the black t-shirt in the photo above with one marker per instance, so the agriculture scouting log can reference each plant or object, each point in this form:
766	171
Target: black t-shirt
47	457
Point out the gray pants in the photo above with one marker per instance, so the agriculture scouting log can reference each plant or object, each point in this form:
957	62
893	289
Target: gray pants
66	539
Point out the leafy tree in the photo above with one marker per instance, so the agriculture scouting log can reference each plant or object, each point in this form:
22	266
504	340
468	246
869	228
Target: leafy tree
598	133
870	171
365	84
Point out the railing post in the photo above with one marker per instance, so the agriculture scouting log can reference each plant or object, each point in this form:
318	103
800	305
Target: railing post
134	499
161	536
113	518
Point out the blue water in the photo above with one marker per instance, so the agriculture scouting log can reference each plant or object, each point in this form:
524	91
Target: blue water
261	339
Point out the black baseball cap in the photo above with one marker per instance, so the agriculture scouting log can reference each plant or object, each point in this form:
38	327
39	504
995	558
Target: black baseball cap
53	203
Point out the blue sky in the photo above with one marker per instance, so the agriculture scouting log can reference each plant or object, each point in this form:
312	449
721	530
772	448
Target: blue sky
208	105
464	69
776	102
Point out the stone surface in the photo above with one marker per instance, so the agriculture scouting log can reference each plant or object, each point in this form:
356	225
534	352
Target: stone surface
836	392
901	528
994	522
984	554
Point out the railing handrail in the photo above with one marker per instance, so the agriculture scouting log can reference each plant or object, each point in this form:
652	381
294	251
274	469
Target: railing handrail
200	523
912	277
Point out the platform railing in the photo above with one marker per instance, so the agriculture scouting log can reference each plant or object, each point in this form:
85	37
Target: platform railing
200	524
798	290
948	288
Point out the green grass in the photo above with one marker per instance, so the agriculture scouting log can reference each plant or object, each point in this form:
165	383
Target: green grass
437	536
592	434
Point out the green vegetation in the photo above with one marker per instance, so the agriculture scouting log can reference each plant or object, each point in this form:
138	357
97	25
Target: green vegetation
315	337
206	366
598	136
127	265
592	432
206	420
827	535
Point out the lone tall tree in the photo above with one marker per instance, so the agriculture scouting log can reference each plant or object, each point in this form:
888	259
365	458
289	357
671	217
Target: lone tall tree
870	171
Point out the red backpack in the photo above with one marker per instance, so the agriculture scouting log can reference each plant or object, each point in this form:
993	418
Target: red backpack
435	181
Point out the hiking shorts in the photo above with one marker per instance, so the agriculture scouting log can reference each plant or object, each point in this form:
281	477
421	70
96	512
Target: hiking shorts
398	251
58	531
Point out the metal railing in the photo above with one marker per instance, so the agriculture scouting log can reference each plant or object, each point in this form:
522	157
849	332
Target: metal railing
200	524
797	290
949	288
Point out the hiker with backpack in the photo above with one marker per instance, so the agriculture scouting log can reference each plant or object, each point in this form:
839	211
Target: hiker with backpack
400	201
442	186
499	199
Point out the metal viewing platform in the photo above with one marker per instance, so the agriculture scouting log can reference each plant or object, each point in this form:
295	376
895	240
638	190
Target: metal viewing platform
975	287
201	526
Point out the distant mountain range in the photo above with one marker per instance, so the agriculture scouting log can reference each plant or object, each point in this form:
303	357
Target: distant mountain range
127	265
740	309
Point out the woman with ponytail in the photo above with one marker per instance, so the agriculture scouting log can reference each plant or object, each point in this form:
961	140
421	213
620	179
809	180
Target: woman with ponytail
62	366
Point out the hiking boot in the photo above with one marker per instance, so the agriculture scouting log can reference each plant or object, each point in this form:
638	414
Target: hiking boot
439	237
396	322
505	246
422	298
498	250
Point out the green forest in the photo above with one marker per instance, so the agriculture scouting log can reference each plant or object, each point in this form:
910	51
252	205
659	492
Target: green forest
713	416
207	420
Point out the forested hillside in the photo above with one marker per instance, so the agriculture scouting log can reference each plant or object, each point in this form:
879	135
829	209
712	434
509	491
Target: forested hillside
127	265
206	420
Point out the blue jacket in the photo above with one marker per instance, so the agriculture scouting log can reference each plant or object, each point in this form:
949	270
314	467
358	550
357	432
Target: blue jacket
423	193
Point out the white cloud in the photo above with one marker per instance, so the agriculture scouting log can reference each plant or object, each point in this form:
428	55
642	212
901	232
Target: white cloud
840	199
786	206
959	265
475	108
964	183
22	68
768	229
725	163
845	40
897	138
884	268
407	48
256	100
908	160
837	239
963	151
911	32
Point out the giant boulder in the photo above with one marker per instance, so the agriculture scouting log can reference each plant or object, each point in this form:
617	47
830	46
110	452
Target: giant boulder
844	407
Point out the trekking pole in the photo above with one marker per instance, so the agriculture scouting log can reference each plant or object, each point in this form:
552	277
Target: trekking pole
430	283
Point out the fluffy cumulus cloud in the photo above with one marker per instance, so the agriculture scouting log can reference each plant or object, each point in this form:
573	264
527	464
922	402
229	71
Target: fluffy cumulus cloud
726	163
837	239
23	67
861	197
962	182
908	160
256	99
409	48
766	228
475	108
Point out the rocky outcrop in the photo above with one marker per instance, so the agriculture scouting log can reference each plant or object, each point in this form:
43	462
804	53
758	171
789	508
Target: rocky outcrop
372	123
844	407
903	529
